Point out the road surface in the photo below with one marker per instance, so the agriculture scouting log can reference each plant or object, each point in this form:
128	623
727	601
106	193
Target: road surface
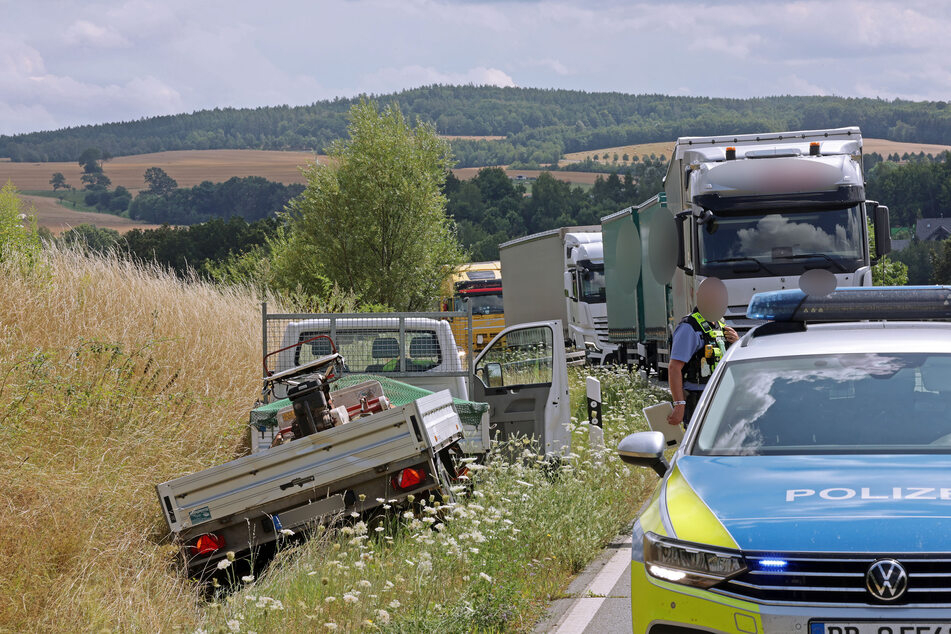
599	599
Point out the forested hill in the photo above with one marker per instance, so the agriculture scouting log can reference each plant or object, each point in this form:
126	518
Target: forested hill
538	125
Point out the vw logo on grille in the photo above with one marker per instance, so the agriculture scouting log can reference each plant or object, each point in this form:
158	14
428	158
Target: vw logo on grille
886	579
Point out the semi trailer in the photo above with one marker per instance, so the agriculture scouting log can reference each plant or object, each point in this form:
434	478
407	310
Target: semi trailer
756	211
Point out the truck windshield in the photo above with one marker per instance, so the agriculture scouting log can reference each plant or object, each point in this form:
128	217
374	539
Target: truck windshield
782	243
834	403
591	286
482	303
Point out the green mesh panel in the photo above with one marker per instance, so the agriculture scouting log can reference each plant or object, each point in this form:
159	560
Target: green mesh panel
397	392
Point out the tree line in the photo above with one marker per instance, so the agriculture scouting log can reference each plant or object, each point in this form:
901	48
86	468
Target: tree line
539	125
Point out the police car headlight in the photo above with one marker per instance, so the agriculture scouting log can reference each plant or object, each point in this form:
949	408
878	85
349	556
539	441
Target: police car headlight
688	563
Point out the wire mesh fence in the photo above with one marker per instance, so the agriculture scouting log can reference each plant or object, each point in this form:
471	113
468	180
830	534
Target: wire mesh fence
392	344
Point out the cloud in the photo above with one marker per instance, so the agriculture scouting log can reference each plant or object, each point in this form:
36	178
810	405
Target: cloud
85	33
125	59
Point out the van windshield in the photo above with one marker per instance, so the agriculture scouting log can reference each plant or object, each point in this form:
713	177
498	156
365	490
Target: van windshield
375	350
836	403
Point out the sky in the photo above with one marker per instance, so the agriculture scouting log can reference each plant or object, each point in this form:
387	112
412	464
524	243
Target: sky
65	63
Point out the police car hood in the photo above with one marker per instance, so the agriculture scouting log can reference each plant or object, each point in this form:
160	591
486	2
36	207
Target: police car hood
859	503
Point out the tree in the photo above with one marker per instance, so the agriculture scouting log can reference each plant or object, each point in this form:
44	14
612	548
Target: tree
90	160
90	238
941	263
887	272
59	181
19	239
159	182
96	180
372	220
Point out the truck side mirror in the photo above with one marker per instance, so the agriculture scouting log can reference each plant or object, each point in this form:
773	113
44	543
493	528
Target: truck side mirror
570	286
644	449
883	236
679	220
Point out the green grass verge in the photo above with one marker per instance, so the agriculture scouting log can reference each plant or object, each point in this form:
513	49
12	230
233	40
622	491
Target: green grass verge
73	199
491	561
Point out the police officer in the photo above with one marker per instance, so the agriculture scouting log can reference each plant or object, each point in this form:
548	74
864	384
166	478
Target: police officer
699	343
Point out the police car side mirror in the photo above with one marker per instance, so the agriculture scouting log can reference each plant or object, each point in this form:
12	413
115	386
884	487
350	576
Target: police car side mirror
644	449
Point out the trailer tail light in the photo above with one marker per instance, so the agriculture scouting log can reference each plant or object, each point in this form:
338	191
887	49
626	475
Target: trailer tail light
731	153
408	478
814	148
207	544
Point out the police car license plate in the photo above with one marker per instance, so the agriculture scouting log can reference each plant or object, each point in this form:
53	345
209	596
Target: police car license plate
877	627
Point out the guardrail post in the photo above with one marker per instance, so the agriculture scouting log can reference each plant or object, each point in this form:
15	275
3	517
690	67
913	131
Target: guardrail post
595	422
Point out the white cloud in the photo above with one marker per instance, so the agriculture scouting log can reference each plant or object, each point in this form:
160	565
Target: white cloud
143	57
85	33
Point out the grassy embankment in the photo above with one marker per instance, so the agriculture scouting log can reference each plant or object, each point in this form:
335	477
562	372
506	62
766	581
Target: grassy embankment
113	378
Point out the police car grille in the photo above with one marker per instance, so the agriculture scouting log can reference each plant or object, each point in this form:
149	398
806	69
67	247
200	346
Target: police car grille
838	579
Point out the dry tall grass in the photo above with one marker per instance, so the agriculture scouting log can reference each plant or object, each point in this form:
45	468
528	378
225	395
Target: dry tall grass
112	378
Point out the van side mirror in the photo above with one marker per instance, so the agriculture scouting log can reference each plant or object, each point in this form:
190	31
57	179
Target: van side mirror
644	449
491	375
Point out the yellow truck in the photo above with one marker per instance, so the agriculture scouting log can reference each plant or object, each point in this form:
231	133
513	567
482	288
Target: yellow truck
479	285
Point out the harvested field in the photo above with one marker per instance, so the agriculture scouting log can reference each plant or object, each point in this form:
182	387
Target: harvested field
57	218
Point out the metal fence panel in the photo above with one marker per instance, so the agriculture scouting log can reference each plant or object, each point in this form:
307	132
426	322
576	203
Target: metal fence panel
394	344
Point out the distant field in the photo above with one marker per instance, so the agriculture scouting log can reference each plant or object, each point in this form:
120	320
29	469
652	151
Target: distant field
643	149
188	167
57	218
471	137
881	146
579	178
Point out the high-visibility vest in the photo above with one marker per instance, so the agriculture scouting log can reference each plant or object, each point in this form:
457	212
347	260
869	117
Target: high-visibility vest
713	346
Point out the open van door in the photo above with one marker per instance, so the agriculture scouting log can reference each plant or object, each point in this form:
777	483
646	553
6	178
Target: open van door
523	377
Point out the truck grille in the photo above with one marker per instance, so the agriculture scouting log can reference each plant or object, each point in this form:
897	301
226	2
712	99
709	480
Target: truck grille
838	579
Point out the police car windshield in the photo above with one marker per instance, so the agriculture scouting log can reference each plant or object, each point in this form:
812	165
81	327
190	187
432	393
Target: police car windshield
845	403
782	243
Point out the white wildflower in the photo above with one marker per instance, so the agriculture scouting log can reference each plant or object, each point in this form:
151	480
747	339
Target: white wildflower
247	578
224	563
363	583
383	616
379	529
330	625
350	598
286	532
394	604
388	585
486	577
330	599
234	625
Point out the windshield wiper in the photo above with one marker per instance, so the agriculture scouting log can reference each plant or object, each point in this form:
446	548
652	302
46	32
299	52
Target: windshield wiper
742	259
803	256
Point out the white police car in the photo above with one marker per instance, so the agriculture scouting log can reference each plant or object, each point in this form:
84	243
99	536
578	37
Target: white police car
812	492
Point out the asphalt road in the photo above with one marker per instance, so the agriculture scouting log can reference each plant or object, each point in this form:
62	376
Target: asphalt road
598	601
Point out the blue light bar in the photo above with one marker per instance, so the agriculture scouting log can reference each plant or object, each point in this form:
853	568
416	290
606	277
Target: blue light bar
854	304
773	563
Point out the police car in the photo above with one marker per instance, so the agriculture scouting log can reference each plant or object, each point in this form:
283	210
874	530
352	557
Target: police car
812	491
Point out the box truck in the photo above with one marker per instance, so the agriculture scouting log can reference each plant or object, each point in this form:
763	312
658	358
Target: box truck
559	274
